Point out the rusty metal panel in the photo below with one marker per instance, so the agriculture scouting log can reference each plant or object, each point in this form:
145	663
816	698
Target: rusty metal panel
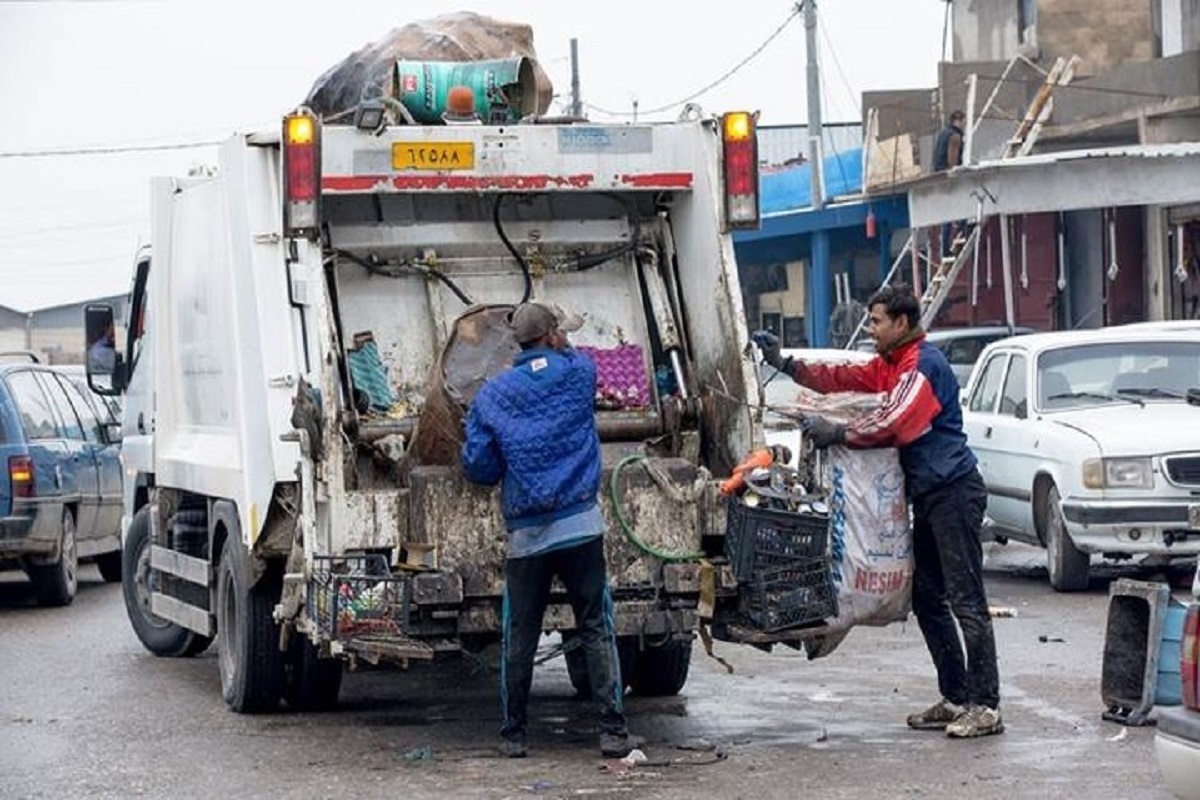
464	522
375	520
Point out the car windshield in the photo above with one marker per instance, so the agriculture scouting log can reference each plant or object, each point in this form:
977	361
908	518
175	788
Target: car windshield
1117	372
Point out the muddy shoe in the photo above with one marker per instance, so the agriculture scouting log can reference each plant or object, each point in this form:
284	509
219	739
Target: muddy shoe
977	721
513	748
936	717
618	745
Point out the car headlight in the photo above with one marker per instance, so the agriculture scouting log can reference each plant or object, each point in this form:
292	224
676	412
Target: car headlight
1117	473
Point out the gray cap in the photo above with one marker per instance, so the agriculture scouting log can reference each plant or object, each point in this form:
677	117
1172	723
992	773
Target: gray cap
532	321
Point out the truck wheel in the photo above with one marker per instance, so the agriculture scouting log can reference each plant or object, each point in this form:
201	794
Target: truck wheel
1068	566
56	584
662	671
109	565
248	655
311	683
160	637
627	653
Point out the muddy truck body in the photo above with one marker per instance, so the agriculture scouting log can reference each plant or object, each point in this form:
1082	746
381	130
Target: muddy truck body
316	313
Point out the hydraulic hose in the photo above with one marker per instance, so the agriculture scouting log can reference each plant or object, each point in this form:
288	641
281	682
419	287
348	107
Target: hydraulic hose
627	529
528	291
375	268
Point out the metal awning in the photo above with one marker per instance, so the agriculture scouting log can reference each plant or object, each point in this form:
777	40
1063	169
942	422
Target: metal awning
1072	180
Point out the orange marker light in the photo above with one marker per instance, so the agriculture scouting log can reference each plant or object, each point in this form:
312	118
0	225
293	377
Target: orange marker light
299	129
738	126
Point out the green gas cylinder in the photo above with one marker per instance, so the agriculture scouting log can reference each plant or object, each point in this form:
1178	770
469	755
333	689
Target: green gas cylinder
505	89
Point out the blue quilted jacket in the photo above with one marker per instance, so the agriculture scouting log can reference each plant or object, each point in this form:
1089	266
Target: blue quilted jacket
532	427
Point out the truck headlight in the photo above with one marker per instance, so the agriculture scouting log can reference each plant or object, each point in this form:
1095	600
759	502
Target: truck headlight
1117	473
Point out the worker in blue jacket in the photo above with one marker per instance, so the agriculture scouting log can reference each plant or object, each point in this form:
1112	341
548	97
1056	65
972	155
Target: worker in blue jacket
532	429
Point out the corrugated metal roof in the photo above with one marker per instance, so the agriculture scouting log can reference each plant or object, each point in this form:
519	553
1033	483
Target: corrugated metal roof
1177	150
778	144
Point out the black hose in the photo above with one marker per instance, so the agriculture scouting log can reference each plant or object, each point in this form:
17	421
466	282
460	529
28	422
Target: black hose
504	238
376	269
586	262
451	285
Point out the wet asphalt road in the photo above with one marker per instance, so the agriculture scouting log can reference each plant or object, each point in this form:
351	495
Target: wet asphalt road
86	712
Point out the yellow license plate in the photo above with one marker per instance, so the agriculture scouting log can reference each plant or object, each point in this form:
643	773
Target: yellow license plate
433	156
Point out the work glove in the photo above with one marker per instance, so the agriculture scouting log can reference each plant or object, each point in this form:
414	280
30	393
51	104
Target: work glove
768	345
822	432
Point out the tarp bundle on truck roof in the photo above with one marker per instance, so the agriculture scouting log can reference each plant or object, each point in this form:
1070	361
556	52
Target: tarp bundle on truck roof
462	36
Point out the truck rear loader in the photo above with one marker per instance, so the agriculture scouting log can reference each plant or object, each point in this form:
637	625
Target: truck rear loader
313	317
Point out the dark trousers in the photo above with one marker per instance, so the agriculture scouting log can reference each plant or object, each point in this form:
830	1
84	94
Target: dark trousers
948	586
526	592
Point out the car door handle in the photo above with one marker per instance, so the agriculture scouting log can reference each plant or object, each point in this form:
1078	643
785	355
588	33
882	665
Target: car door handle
987	432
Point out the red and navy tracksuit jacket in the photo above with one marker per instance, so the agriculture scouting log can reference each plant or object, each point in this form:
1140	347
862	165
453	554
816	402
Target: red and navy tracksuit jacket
921	415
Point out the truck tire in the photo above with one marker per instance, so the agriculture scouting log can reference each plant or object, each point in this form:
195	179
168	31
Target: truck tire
248	655
577	671
56	584
1068	566
160	637
311	683
662	671
109	565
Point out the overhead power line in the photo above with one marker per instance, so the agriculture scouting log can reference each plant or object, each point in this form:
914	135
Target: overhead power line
728	74
107	150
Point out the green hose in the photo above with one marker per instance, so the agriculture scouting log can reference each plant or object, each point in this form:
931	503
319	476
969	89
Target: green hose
627	529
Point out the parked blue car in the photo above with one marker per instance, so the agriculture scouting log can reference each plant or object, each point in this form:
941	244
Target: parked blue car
60	494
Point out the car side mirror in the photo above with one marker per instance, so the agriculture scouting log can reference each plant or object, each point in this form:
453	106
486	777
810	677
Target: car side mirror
103	364
112	432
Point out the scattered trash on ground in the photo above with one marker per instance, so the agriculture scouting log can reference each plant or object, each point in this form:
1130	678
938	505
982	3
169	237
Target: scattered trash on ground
700	745
1044	639
424	753
540	785
634	757
1120	735
997	612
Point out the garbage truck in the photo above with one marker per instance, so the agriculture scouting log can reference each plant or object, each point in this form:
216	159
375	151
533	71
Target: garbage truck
313	316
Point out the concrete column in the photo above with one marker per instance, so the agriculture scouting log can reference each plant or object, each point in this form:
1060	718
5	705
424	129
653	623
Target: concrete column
820	282
1158	264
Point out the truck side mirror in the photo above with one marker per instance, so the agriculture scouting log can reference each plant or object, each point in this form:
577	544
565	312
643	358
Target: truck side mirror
103	363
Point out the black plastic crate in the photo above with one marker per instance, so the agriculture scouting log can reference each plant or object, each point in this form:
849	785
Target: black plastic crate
354	596
792	596
758	539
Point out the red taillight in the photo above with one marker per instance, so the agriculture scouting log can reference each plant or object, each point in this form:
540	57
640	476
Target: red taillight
20	476
739	139
302	172
1189	660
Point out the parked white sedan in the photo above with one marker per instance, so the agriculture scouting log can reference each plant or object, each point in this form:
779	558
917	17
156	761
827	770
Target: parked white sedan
1089	442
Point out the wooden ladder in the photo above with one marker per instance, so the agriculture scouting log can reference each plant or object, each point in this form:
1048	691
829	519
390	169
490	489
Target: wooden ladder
1021	144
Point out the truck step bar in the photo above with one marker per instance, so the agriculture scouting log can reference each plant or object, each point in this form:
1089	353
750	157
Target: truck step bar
189	568
385	647
175	610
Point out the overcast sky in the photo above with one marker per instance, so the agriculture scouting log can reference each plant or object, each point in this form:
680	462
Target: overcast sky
100	74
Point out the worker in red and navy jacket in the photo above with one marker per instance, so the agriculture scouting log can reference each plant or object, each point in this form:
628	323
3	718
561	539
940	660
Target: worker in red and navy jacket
921	417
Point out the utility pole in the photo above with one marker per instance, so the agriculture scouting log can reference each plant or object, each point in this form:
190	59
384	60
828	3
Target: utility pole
820	307
814	104
576	100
